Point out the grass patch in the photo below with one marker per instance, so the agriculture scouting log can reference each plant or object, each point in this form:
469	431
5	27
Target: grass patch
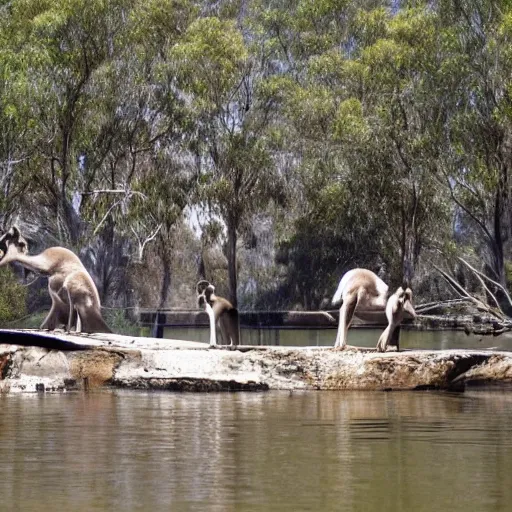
32	321
117	321
12	298
114	318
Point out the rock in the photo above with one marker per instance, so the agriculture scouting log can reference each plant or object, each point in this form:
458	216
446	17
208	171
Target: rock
90	361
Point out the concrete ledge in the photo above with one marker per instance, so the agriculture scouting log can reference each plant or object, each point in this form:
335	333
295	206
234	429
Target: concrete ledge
65	362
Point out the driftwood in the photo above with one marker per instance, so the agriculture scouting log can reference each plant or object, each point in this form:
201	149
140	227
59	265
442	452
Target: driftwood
501	323
429	306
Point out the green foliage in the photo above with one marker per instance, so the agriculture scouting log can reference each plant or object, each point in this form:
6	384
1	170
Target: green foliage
383	128
333	235
117	320
210	58
12	298
158	23
508	273
350	124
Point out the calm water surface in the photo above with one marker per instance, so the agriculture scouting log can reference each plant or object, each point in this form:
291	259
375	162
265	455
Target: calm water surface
275	451
359	337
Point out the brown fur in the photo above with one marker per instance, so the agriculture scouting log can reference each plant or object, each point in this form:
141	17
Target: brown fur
225	315
398	303
362	290
75	299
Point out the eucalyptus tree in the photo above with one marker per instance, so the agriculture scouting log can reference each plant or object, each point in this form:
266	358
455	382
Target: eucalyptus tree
476	86
165	187
395	114
65	43
101	91
17	121
357	93
237	174
139	187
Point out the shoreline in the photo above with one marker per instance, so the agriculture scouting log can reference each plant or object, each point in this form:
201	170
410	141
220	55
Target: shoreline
36	361
478	323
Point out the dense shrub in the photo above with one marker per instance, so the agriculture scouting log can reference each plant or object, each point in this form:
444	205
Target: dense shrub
12	297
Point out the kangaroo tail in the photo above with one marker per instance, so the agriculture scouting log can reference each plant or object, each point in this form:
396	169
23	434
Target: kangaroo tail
92	321
337	296
233	314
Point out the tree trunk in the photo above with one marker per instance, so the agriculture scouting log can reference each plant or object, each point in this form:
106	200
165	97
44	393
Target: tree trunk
231	254
68	221
108	260
166	277
499	216
409	258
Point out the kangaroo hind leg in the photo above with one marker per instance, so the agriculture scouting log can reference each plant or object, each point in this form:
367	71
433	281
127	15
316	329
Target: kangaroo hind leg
346	313
72	313
231	327
51	321
91	319
78	322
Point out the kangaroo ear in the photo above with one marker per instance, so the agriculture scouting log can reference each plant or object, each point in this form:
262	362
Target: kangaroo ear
14	232
201	286
7	236
408	294
409	307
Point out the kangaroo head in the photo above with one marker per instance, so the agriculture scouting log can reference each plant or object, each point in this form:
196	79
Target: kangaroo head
404	300
408	305
12	244
400	295
201	286
204	292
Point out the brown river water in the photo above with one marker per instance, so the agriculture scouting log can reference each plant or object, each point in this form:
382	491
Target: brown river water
361	337
273	451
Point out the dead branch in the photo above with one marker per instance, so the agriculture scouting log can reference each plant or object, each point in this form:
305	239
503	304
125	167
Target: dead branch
128	194
481	306
423	308
142	244
114	191
502	288
105	217
486	288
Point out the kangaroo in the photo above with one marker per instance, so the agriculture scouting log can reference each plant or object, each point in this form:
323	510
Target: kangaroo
398	304
220	311
75	299
363	290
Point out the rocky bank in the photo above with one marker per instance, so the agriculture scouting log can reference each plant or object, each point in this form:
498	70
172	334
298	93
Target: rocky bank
32	361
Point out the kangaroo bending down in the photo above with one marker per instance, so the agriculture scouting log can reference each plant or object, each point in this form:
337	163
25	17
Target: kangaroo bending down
75	299
360	289
220	311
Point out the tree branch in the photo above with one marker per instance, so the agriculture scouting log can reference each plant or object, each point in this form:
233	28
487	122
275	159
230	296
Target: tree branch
146	241
503	289
464	293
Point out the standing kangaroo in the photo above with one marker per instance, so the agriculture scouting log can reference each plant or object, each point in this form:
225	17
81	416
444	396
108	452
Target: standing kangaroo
361	289
221	310
75	299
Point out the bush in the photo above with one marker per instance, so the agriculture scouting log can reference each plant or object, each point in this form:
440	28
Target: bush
119	323
508	273
12	297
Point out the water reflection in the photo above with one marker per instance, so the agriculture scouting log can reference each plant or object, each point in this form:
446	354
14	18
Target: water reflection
263	451
359	337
